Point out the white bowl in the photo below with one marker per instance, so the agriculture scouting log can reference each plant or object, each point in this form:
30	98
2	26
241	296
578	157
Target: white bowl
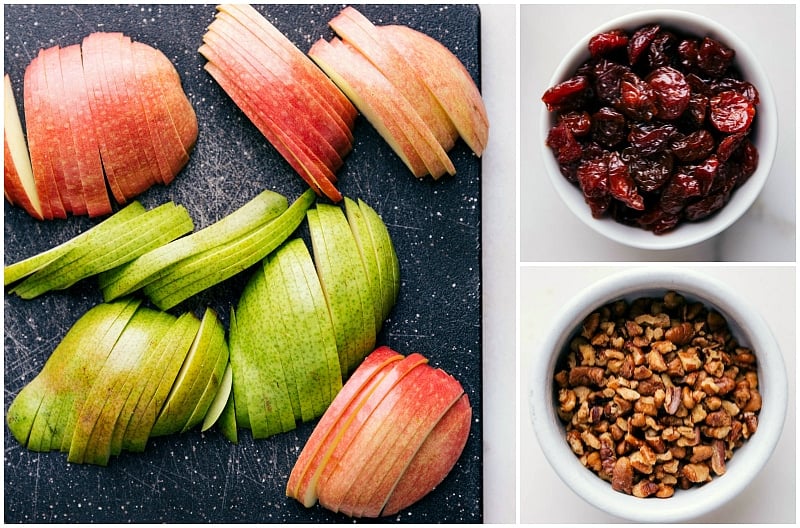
764	135
749	329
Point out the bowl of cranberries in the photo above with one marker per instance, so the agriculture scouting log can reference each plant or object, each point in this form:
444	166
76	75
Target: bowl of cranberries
659	129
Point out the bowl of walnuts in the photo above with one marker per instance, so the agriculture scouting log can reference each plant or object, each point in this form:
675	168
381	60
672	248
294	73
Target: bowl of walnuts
659	129
658	395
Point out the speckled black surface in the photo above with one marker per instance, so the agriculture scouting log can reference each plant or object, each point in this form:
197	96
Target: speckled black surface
435	225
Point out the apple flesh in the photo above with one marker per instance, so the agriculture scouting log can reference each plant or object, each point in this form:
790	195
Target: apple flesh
19	185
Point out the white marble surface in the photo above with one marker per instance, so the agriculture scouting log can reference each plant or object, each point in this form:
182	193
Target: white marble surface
548	230
544	498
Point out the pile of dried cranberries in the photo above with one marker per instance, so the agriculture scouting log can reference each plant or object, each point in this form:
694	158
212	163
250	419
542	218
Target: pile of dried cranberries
654	127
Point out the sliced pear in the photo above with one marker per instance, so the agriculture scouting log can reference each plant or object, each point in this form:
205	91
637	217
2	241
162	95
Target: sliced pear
358	225
154	264
212	387
240	370
222	399
386	256
227	420
188	277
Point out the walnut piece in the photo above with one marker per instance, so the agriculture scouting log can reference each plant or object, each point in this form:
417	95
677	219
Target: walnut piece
657	395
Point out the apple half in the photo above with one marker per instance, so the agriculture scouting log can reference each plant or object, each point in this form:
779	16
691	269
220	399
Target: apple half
392	435
105	114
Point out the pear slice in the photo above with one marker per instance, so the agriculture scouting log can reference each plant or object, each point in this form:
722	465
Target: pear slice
141	376
19	270
320	333
222	399
227	420
386	256
240	370
153	264
191	276
213	385
125	361
132	239
112	372
306	471
192	377
173	350
368	253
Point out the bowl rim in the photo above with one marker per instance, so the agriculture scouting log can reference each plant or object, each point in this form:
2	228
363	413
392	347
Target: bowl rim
687	233
685	504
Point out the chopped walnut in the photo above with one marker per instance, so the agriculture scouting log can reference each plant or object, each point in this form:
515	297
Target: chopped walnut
657	394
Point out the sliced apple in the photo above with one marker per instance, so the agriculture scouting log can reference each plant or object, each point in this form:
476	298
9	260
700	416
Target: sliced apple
434	460
19	184
303	69
356	29
447	78
75	104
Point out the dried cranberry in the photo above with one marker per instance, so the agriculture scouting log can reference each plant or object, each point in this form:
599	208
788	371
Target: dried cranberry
728	145
651	173
593	181
640	41
607	78
567	94
650	139
731	112
696	111
687	53
661	49
659	221
607	42
672	92
680	188
694	146
621	184
743	87
706	173
704	207
608	126
563	143
637	99
579	123
713	57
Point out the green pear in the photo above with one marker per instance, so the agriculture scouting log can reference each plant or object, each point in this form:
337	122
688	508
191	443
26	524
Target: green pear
14	272
192	377
96	420
240	371
227	420
313	343
154	264
388	264
175	347
221	399
122	244
211	267
369	258
344	282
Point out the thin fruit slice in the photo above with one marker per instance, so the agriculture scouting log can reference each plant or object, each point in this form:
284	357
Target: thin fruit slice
447	79
386	256
211	267
434	460
213	384
221	401
366	250
302	483
356	29
227	421
21	269
154	264
76	105
19	185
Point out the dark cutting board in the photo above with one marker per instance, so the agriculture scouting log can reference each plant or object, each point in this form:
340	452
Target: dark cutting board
436	227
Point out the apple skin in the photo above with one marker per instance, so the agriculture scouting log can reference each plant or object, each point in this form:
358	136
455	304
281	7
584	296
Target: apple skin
302	69
356	29
435	459
447	79
87	154
19	185
312	459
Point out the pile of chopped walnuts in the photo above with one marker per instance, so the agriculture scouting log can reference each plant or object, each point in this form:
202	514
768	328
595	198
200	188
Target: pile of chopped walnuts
656	394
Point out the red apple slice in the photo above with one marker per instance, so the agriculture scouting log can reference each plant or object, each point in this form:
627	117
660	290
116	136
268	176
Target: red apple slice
170	148
356	29
62	149
304	70
277	75
19	185
282	104
36	109
98	90
305	475
384	106
316	174
435	459
395	437
448	80
76	104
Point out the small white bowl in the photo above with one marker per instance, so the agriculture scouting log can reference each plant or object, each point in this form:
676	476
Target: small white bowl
764	135
749	329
